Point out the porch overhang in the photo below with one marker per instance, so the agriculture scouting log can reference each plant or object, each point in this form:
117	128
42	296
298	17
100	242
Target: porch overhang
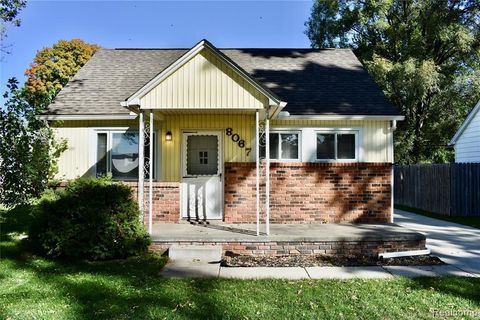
204	78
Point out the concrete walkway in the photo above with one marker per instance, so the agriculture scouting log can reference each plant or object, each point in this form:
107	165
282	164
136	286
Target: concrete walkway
209	270
455	244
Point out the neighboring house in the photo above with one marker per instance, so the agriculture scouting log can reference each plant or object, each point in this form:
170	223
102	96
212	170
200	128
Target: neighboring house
214	115
467	138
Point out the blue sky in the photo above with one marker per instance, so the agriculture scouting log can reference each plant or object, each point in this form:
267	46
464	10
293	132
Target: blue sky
154	24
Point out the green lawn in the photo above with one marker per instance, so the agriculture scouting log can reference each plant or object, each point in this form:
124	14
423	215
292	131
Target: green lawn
468	221
34	288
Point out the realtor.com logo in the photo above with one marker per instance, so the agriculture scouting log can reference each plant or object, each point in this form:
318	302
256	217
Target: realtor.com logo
436	313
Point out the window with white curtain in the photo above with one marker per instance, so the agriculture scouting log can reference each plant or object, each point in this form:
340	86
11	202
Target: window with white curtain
117	153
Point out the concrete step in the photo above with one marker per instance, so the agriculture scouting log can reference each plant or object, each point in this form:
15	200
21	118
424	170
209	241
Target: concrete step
195	253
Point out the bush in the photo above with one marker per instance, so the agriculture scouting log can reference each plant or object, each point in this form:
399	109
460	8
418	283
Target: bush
92	218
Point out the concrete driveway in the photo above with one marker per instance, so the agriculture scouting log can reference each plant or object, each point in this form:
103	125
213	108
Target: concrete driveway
455	244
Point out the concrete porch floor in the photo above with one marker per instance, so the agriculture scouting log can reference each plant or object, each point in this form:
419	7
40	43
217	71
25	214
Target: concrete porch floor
220	232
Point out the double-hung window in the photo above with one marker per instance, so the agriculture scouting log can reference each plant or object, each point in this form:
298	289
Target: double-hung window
117	153
284	145
337	146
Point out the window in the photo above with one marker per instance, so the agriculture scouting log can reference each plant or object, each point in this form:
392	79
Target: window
117	153
283	146
202	155
337	145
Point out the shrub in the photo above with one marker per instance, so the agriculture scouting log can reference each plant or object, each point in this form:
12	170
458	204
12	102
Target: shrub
92	218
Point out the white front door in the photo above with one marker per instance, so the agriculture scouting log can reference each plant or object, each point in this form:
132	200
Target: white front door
202	175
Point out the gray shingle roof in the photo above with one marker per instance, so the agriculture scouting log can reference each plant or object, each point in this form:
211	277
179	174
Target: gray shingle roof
311	81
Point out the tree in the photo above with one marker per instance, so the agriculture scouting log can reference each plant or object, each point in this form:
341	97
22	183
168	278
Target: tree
53	67
28	148
24	149
424	54
9	10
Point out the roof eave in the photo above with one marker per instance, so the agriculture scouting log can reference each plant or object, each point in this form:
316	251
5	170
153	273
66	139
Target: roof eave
465	124
94	116
343	117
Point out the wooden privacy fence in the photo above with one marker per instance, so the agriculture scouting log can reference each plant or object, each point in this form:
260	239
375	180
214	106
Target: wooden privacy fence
449	189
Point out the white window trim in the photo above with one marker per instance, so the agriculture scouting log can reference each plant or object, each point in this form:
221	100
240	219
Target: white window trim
356	132
109	132
299	133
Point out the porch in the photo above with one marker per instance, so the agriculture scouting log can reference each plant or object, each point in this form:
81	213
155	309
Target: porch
287	239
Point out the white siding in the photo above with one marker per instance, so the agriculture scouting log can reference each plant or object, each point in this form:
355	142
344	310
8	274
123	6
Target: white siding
467	148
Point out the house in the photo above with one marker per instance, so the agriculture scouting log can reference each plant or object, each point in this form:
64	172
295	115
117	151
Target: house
277	136
466	140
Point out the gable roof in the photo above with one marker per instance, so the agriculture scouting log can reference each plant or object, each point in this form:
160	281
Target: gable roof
465	123
177	64
311	81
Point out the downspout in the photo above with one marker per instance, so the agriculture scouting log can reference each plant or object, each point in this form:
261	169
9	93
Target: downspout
393	127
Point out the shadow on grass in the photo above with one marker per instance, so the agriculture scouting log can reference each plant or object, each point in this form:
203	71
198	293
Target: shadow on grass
129	288
454	286
15	220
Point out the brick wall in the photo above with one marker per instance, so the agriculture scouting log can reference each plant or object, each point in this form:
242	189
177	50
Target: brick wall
311	192
282	248
166	201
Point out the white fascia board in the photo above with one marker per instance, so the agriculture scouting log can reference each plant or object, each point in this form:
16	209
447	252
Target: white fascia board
465	123
135	98
340	117
129	116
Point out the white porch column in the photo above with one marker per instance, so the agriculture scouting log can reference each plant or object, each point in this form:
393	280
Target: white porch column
151	163
267	171
257	170
141	162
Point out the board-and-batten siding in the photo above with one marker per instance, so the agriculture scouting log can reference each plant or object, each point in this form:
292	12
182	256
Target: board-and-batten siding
204	82
376	141
467	147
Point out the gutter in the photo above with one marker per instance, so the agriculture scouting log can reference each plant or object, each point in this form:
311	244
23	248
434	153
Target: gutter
286	116
50	117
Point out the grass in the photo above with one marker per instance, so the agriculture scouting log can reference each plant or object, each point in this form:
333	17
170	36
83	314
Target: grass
468	221
35	288
32	287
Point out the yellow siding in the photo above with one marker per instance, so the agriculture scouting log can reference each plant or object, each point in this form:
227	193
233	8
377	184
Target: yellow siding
243	125
204	82
76	161
375	139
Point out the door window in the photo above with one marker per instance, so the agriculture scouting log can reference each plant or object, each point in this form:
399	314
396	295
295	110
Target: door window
202	155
